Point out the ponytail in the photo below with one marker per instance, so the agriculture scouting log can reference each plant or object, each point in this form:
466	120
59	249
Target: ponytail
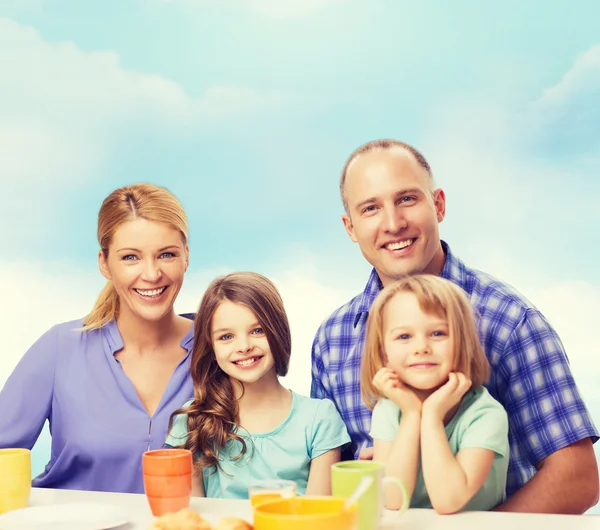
105	310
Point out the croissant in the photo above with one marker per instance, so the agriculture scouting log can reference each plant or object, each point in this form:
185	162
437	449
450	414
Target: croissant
232	523
188	519
185	519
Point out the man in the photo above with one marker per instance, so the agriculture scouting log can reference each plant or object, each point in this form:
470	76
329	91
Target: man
392	210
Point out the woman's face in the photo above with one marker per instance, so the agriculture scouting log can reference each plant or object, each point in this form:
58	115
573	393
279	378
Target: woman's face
146	263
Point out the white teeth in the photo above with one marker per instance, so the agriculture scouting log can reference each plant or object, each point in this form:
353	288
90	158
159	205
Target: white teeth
399	244
152	292
246	362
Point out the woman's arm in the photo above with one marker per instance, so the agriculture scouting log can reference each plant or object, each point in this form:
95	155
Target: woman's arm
401	457
26	398
451	481
319	476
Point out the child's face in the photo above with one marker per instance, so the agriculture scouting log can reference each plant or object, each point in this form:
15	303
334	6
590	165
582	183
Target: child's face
240	344
418	345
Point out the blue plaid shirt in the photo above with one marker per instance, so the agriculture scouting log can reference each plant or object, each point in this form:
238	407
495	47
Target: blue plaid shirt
530	372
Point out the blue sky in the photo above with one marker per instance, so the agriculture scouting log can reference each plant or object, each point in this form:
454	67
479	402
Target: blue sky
247	110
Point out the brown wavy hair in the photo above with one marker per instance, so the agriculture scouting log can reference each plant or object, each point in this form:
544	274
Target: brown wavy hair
436	296
213	415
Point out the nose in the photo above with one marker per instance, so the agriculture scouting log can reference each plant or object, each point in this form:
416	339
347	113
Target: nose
242	344
422	345
393	219
151	271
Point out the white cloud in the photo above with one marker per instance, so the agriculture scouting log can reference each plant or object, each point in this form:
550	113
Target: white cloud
501	192
64	110
289	9
41	295
16	6
271	9
565	117
583	78
573	308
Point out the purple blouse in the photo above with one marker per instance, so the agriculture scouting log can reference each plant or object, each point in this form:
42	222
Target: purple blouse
98	423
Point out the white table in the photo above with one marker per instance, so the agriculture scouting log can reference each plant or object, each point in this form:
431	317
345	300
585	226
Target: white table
213	509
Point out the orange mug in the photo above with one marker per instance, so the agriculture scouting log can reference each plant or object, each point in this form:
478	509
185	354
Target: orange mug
167	479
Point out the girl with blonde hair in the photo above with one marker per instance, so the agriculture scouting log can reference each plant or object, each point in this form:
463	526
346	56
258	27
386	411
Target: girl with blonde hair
243	424
108	383
434	424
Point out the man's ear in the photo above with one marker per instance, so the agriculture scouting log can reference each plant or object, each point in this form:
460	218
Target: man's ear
439	199
349	227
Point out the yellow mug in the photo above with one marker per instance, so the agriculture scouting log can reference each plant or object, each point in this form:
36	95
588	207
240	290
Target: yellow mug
302	513
15	479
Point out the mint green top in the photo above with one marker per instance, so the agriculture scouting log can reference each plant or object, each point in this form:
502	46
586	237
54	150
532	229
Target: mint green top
313	427
479	422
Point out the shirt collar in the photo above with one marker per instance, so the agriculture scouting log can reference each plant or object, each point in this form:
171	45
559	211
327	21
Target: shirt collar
368	296
454	270
115	340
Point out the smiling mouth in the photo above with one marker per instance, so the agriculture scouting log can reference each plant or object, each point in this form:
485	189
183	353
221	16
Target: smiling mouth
400	245
151	293
249	361
422	366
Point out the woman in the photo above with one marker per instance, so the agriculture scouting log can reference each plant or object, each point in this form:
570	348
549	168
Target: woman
108	383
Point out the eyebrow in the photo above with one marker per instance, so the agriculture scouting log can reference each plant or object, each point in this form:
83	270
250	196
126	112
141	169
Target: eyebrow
138	250
221	330
400	193
437	324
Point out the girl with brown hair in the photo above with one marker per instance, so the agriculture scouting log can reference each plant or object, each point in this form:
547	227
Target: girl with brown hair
243	424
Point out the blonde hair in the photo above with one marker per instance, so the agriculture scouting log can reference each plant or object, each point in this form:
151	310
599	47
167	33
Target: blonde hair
436	296
138	201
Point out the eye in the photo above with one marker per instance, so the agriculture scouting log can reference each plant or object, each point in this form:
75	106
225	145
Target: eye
257	331
168	255
439	333
129	257
404	336
226	336
368	209
407	199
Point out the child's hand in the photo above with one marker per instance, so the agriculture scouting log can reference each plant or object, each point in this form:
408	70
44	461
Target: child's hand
387	382
447	396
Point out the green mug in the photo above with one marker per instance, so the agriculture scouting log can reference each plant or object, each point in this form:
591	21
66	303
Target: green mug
345	477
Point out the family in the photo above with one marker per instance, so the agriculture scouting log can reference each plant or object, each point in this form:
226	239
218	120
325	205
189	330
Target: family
448	376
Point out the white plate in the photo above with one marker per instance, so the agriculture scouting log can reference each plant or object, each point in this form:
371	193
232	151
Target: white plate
83	516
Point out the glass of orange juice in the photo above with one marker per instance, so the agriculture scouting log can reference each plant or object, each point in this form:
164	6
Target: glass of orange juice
262	491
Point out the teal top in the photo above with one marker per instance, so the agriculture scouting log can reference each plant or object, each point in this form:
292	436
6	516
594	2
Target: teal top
479	422
312	428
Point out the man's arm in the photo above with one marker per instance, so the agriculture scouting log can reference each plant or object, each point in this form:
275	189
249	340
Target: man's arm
549	421
567	482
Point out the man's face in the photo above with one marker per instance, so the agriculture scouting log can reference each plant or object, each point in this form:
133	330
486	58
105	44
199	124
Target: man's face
393	214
